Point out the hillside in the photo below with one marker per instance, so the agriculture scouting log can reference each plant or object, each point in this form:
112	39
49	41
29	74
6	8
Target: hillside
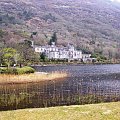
91	25
106	111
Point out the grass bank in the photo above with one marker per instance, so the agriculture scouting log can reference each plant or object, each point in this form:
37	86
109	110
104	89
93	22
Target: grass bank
28	78
106	111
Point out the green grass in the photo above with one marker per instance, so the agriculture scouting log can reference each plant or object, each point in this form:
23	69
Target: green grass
104	111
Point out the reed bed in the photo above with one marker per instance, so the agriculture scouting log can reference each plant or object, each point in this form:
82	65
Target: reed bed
55	89
35	77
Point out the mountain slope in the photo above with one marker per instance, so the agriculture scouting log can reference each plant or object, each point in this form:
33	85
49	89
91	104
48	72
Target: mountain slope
92	25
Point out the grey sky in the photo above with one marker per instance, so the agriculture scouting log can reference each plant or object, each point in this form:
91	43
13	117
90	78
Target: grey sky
116	0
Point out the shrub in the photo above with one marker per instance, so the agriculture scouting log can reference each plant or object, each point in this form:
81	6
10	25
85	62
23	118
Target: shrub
24	70
8	71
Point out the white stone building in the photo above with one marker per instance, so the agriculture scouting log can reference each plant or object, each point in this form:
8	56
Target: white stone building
60	52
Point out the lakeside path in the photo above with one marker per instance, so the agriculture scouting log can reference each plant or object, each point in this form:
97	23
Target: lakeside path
29	78
103	111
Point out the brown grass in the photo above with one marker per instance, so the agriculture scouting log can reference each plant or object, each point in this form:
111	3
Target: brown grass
28	78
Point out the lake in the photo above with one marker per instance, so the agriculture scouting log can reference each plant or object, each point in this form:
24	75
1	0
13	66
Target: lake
97	79
85	84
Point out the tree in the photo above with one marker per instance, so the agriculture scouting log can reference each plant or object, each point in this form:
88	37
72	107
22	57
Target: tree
18	59
0	56
28	43
33	34
110	54
8	56
2	35
27	53
53	39
43	57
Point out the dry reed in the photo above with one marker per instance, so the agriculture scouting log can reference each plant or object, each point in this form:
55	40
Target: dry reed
35	77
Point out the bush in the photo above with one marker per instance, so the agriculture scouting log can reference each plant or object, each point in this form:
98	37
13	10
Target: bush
8	71
24	70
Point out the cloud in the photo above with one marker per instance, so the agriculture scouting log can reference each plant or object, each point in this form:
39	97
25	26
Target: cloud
115	0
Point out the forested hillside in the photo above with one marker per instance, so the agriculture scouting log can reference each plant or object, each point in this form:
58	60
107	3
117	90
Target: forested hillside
91	25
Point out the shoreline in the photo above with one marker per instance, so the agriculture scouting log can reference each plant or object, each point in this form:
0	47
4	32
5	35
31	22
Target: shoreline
45	65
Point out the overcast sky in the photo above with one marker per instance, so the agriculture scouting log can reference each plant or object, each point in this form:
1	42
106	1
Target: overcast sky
116	0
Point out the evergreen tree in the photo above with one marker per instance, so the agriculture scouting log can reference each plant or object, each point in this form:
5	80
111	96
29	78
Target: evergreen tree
43	57
53	39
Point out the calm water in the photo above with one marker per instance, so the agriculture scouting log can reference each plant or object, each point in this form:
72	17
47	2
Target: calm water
78	70
85	84
97	78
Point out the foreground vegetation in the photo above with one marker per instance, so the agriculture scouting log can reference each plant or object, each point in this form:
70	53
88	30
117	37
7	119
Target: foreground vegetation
17	71
106	111
16	90
35	77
